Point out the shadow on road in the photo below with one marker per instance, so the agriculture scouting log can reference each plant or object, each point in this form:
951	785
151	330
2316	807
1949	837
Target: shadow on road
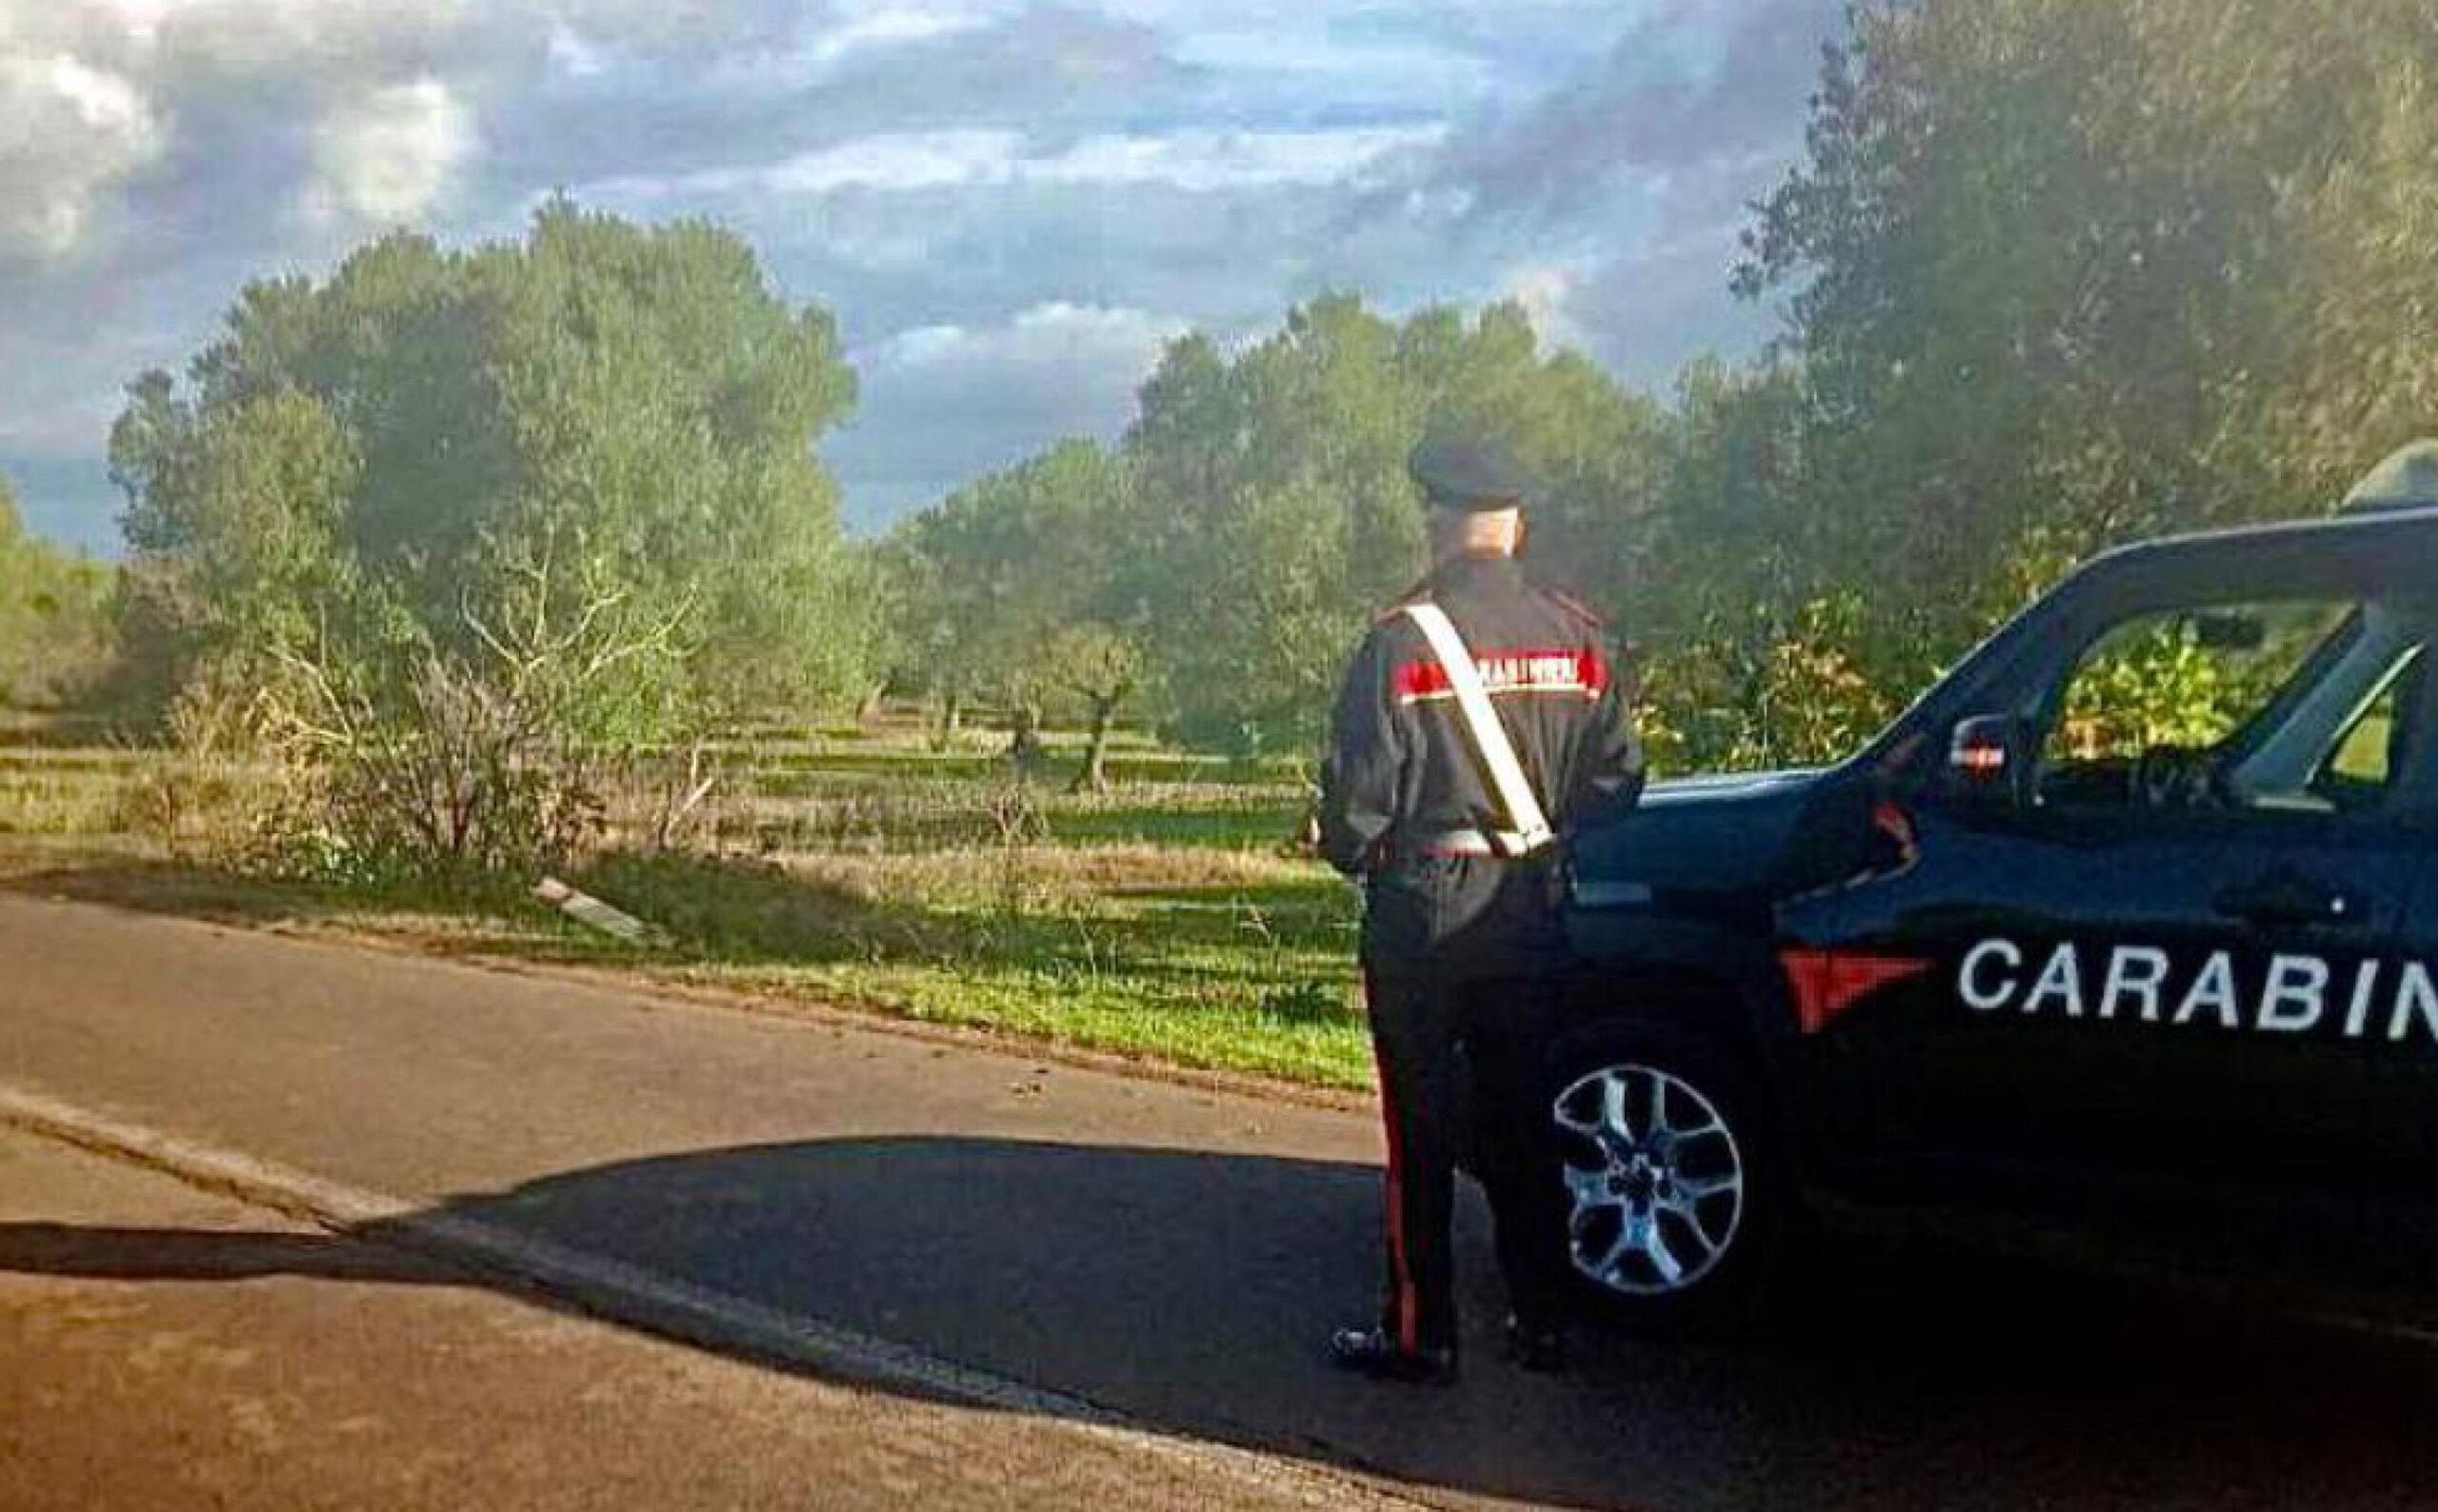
1191	1291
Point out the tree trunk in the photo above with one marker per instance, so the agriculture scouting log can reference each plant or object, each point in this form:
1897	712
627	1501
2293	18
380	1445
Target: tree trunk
867	706
1094	777
1024	741
952	716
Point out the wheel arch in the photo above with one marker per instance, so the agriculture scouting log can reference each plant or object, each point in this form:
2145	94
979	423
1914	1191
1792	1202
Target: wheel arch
1704	979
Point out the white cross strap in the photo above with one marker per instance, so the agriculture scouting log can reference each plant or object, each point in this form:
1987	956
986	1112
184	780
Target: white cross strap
1528	826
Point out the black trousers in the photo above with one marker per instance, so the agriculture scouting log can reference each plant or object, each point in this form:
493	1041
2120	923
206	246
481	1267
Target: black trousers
1420	1018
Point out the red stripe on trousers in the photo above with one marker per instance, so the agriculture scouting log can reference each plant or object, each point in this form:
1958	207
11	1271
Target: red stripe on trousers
1408	1307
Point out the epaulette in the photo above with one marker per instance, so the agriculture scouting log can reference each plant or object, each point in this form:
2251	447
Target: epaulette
1416	594
1577	607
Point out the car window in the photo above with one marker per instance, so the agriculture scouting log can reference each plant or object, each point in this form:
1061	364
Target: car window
2203	708
2363	761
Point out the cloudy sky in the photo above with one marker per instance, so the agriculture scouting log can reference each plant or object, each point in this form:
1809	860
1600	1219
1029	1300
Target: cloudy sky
1009	204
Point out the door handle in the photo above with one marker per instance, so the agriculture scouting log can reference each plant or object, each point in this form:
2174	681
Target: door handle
2288	898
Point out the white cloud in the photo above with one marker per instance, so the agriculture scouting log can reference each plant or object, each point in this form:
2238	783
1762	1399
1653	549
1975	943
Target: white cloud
814	51
574	56
1547	292
389	157
891	25
1217	160
1192	160
69	133
1307	58
1047	334
90	89
249	36
914	160
238	38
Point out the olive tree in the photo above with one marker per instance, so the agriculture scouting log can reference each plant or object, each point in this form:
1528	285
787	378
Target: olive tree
526	500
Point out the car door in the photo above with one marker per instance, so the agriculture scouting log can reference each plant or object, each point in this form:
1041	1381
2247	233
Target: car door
2149	965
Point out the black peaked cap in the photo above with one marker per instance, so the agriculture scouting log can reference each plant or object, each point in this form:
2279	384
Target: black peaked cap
1473	476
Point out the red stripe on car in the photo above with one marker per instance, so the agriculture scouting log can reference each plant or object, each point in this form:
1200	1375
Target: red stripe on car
1826	983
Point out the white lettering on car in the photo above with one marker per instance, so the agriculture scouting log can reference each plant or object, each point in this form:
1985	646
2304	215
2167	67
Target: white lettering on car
1968	980
2357	1013
2214	987
2123	980
2295	997
2062	977
2415	998
2295	994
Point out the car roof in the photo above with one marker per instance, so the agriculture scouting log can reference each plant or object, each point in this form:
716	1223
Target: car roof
2396	540
2395	505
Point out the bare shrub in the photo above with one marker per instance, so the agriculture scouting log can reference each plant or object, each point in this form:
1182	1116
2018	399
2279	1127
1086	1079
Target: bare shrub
663	800
462	762
207	796
1018	824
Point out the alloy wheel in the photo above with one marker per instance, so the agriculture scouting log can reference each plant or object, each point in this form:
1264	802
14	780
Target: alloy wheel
1656	1178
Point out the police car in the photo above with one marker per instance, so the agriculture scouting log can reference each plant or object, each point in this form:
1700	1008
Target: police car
2141	899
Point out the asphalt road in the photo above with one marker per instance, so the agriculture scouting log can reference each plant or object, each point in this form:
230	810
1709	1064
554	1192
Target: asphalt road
169	1348
1170	1253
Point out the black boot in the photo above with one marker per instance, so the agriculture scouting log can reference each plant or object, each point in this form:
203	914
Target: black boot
1535	1345
1372	1352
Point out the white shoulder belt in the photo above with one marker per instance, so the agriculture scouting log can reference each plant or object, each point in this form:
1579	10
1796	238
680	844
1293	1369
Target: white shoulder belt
1528	828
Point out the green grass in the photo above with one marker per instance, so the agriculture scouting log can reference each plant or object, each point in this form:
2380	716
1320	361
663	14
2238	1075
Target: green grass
1166	921
1250	975
1251	822
770	770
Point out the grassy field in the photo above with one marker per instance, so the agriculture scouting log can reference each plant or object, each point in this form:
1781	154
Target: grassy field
1170	919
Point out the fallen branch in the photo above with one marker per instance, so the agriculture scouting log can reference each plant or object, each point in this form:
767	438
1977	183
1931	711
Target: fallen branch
588	911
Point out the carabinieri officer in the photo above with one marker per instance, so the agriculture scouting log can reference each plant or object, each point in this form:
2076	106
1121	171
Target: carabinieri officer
1481	716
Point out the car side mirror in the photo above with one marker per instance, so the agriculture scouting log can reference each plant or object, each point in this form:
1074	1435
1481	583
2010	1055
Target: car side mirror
1988	763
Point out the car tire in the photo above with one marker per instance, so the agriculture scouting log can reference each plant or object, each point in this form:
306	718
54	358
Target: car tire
1677	1202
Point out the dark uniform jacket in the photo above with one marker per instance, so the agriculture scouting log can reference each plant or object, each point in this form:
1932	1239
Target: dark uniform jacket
1402	776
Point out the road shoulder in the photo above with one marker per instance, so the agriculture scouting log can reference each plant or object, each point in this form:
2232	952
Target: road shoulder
172	1347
